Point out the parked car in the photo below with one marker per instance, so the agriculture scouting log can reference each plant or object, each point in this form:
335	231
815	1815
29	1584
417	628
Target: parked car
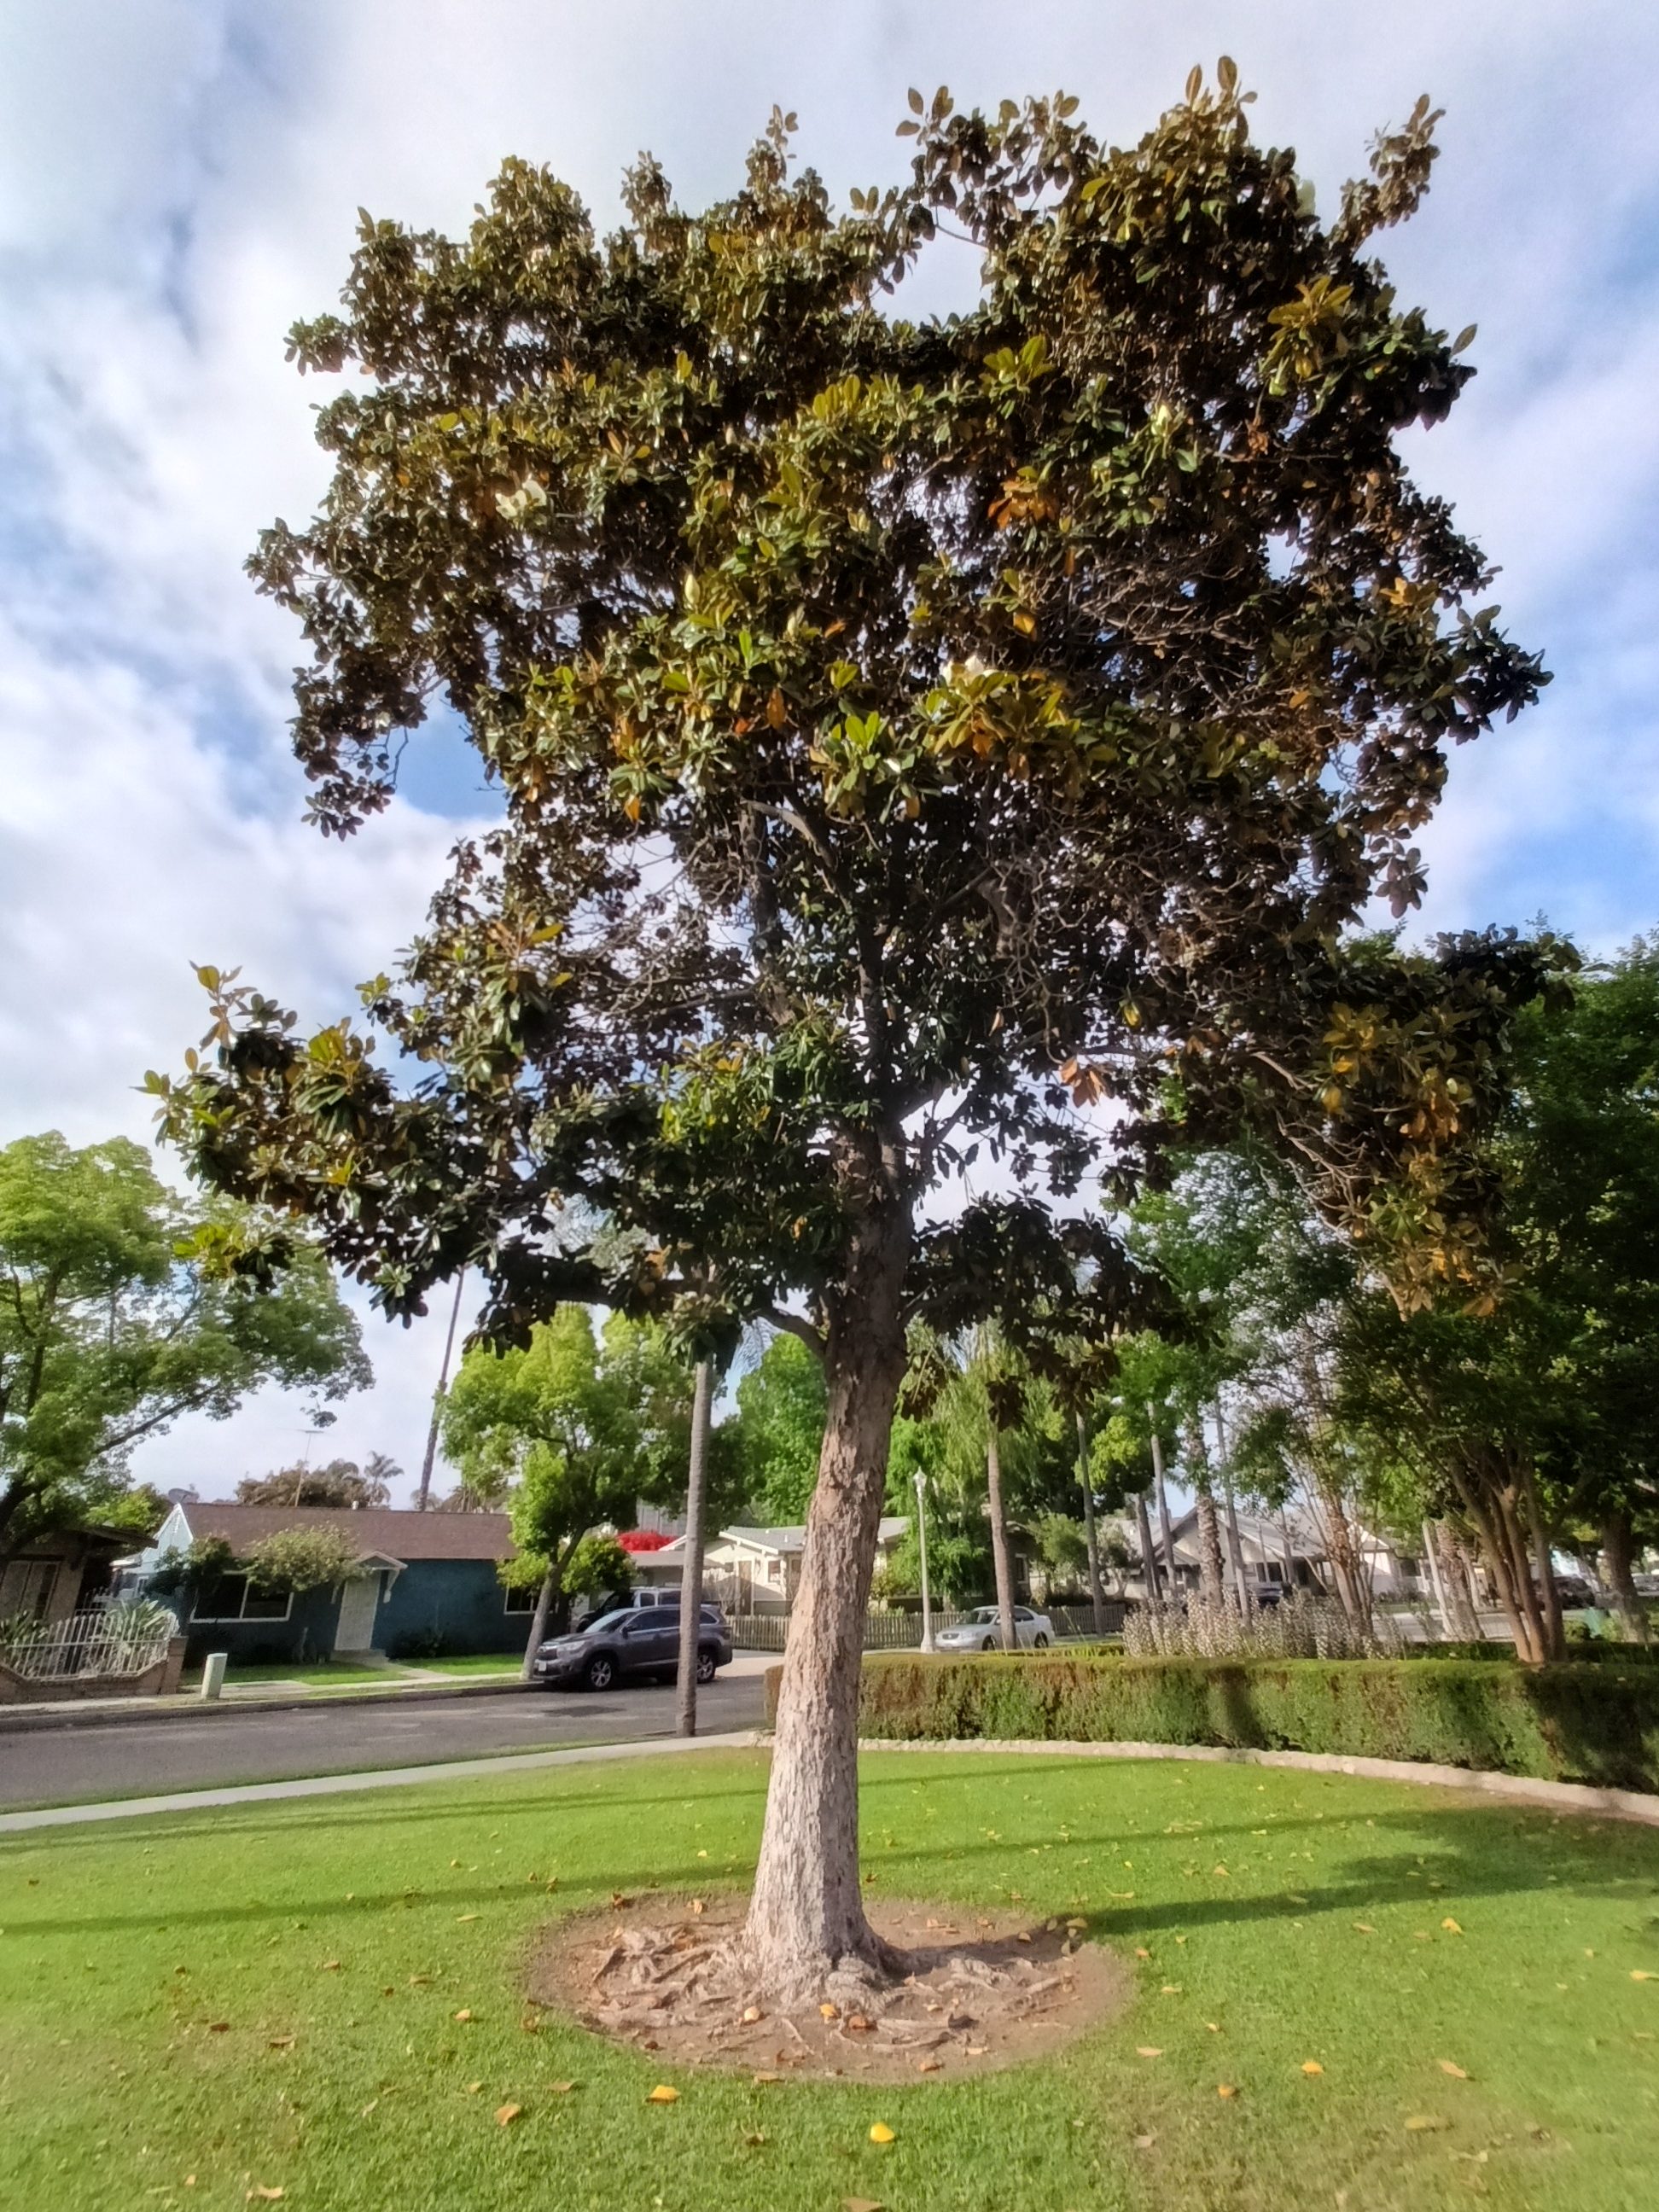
1574	1591
645	1596
637	1642
982	1630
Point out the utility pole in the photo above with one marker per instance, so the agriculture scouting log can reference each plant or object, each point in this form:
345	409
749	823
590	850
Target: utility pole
425	1494
1096	1596
921	1541
696	1487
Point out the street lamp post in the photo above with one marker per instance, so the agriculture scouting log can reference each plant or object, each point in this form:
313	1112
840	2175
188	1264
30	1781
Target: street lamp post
921	1541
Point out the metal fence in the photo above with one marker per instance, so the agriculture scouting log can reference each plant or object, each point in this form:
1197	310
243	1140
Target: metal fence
121	1641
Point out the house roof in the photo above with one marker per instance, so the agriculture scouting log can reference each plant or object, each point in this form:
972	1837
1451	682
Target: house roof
394	1532
795	1540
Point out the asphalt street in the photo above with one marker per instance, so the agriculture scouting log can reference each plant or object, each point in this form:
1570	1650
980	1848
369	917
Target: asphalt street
191	1751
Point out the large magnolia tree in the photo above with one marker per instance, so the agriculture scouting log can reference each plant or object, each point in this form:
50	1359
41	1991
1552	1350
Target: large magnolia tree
914	738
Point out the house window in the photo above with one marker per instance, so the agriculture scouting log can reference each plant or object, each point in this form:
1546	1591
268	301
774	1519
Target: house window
233	1598
522	1600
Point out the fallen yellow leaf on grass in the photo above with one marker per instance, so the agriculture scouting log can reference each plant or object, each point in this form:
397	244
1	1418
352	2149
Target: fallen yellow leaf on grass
331	1965
561	2089
1640	1974
751	2013
1218	1869
1450	1926
862	2205
829	2011
928	2066
505	2114
1363	1928
466	1916
463	2013
280	2043
1148	2051
761	2081
1144	2142
1424	2124
1451	2066
662	2095
473	2087
1170	1989
881	2133
268	2195
1311	2066
1226	2089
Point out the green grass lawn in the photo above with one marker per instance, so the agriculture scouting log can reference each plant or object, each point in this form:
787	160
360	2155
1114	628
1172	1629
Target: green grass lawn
266	1998
481	1662
312	1671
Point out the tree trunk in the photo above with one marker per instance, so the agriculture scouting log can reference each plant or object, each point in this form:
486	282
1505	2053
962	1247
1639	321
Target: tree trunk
1000	1560
1090	1534
1212	1586
1171	1586
1555	1631
807	1916
539	1623
1148	1559
1437	1582
1465	1621
696	1488
1617	1547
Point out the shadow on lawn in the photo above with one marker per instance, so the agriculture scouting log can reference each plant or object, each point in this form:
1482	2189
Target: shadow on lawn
1476	1852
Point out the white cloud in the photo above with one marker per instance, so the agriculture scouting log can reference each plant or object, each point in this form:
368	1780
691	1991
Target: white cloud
179	179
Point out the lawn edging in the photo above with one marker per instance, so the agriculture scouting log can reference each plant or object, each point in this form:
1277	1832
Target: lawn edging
1595	1726
1516	1789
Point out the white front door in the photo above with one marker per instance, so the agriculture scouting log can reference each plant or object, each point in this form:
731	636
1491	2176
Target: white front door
355	1630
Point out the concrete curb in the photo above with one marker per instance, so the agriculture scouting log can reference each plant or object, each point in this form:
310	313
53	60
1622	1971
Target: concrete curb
391	1778
1521	1789
16	1719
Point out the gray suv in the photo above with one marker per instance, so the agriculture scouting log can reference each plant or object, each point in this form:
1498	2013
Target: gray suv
642	1643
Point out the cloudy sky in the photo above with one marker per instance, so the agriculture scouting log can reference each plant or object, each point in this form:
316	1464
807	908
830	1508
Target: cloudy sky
179	179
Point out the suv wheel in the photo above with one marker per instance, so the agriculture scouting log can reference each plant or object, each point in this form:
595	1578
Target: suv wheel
601	1671
1039	1642
706	1664
990	1644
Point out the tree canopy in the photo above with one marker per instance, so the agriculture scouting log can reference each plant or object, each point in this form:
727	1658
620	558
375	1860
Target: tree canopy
339	1482
914	736
122	1307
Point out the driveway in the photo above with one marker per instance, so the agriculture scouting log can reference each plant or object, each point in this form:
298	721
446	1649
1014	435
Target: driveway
191	1751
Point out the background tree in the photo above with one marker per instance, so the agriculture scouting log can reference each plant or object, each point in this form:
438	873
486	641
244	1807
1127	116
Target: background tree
339	1482
570	1435
301	1559
909	734
122	1308
777	1431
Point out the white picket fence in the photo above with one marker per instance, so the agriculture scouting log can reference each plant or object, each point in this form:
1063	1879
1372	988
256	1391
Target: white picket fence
122	1640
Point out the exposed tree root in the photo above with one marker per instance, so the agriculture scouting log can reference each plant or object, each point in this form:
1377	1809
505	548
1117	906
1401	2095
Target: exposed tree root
952	1991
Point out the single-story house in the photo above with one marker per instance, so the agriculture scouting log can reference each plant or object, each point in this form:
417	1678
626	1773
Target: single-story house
54	1577
1290	1552
751	1570
423	1582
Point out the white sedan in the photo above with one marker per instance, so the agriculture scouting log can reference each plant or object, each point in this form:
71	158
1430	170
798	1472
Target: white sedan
982	1630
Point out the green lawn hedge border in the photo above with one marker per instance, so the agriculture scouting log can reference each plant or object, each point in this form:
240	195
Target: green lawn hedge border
1591	1724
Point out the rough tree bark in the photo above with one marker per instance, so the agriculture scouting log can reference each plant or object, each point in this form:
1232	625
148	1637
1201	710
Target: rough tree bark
806	1917
696	1487
1555	1629
1465	1625
1618	1549
1000	1558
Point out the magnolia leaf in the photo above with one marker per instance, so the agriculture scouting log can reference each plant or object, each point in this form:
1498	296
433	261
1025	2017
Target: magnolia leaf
663	2094
881	2133
1451	2066
1311	2066
505	2114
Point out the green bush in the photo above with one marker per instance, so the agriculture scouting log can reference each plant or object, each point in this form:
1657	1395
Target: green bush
1596	1723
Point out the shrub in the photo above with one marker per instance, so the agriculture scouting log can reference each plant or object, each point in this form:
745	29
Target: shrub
1596	1723
421	1643
1298	1627
301	1559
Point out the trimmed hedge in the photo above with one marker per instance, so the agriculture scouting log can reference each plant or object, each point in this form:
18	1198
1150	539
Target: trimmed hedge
1594	1723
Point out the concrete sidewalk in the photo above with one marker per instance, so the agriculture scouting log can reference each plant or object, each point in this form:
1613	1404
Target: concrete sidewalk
394	1777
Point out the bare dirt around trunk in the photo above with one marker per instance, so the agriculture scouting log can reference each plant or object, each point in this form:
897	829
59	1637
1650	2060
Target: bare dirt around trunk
970	1991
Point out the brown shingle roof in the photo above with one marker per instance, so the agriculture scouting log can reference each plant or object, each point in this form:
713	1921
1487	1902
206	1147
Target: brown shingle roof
398	1532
